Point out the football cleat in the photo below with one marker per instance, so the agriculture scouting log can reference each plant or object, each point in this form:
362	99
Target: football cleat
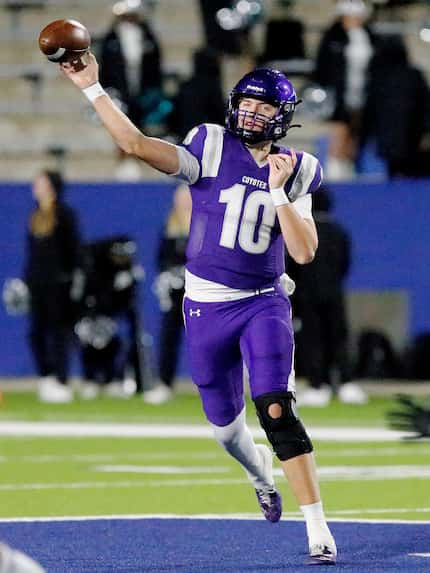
269	499
322	555
270	503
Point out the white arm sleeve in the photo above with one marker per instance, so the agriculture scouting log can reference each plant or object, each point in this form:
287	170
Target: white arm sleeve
189	167
303	206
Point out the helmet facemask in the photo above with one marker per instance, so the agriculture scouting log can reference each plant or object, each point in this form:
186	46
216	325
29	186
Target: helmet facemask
271	129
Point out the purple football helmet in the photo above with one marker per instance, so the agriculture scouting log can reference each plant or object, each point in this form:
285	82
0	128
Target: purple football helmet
272	87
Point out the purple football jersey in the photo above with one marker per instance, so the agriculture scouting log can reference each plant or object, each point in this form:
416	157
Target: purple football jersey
235	238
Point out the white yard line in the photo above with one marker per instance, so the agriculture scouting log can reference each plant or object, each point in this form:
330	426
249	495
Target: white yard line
162	470
326	473
404	450
368	472
409	449
94	458
209	516
79	429
379	511
121	484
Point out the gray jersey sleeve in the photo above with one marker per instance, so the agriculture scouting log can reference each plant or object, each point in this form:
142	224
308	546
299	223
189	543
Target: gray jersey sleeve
189	167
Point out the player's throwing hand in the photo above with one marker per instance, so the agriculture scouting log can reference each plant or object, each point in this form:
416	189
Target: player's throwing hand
86	77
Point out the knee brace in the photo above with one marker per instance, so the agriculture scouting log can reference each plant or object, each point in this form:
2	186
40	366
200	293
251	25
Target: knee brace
286	432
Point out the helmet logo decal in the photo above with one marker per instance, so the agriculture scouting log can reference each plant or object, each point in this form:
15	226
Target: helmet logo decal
255	88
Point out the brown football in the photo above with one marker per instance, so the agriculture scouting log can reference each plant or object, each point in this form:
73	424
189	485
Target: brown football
65	40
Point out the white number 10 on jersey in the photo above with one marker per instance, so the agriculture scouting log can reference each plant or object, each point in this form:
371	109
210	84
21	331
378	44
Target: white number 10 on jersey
253	238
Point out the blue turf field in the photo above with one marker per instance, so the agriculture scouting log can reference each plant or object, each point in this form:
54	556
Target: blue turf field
213	546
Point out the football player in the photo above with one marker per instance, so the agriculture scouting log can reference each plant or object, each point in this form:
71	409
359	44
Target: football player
251	198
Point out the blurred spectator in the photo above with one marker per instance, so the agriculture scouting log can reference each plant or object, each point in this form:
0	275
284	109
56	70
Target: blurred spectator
169	288
342	64
109	325
130	69
319	308
284	36
376	356
228	26
397	107
51	260
200	98
225	38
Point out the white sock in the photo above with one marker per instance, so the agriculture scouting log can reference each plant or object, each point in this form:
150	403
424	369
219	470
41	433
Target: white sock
316	525
236	439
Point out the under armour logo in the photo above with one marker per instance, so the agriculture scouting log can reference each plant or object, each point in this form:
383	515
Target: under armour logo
196	312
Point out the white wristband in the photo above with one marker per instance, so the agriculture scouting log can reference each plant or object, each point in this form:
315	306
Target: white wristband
279	196
94	91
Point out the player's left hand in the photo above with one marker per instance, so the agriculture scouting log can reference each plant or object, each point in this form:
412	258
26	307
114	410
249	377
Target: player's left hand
281	167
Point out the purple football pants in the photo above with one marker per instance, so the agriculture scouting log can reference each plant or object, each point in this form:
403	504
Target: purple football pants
222	335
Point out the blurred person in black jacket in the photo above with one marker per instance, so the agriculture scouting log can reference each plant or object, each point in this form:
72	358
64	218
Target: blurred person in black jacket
341	67
51	259
319	308
109	327
397	108
130	69
170	288
204	90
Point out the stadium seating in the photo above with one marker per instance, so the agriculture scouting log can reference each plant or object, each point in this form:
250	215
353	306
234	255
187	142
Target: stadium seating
40	111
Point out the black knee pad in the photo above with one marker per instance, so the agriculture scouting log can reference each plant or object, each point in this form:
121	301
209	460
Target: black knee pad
286	433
